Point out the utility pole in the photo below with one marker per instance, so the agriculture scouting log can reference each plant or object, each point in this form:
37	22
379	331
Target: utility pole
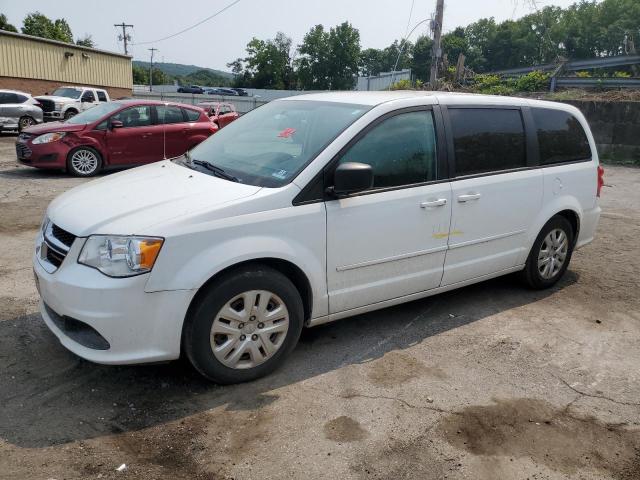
152	50
125	37
436	54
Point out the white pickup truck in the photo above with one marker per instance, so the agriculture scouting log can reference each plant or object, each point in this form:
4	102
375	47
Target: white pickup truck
67	101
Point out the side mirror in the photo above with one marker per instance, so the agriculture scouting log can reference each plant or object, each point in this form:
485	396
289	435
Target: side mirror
352	177
115	124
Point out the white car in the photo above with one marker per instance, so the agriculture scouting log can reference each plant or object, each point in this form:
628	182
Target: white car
308	210
66	102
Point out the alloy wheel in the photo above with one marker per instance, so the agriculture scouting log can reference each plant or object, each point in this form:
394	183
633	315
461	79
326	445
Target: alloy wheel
249	329
85	162
553	253
26	122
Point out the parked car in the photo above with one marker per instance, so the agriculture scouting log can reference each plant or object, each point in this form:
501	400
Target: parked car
114	134
240	91
18	110
195	89
221	91
308	210
222	114
65	102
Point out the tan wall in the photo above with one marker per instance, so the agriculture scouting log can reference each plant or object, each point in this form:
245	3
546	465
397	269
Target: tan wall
42	87
31	58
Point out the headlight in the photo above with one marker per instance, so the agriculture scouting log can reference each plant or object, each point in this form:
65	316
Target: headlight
120	256
48	138
58	105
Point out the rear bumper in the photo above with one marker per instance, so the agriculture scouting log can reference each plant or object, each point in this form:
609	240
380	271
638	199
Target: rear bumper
588	226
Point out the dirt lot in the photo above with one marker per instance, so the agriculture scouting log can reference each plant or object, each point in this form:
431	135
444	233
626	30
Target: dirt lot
489	382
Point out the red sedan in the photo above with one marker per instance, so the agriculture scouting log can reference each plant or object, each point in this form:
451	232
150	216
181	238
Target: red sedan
115	134
222	114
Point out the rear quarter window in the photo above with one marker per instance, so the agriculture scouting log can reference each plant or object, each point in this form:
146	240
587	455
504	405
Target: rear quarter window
102	96
560	136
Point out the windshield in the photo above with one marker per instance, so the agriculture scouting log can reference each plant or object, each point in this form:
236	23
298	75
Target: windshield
269	146
93	114
67	92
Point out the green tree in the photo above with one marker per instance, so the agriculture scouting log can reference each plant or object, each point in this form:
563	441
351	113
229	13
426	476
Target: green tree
454	43
421	58
40	25
140	75
86	41
329	60
268	64
5	25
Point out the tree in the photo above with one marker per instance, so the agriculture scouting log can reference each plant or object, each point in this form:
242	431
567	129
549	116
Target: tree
329	60
86	41
40	25
421	58
268	64
5	25
140	75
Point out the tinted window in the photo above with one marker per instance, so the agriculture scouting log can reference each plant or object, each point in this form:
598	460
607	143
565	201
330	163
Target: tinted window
88	96
21	98
192	115
487	140
560	136
169	114
10	98
102	96
401	150
134	117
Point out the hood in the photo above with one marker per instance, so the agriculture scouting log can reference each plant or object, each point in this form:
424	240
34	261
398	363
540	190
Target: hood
54	127
130	202
55	98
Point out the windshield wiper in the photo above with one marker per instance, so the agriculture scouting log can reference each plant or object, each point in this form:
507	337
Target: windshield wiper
217	171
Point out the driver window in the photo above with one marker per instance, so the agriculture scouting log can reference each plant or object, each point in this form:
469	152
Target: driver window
134	116
401	150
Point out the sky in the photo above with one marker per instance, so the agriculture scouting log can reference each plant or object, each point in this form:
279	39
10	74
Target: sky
224	38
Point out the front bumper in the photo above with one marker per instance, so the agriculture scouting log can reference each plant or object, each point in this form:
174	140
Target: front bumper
52	116
48	155
138	327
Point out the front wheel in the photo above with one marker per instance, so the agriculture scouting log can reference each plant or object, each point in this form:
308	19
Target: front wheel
550	255
84	162
69	113
244	325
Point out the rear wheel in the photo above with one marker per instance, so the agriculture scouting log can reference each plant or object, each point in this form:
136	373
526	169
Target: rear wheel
550	255
84	162
244	325
25	122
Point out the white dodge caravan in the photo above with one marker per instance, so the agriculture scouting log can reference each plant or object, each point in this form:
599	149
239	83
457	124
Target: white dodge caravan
310	209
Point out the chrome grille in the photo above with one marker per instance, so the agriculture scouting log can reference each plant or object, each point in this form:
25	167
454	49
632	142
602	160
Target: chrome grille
55	246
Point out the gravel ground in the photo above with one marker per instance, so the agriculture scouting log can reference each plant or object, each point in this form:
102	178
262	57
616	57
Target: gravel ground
488	382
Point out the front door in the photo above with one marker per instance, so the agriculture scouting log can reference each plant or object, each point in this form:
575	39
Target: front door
390	241
137	141
495	196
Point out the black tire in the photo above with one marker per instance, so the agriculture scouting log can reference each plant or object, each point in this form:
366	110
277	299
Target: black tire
75	170
531	274
25	122
196	338
70	113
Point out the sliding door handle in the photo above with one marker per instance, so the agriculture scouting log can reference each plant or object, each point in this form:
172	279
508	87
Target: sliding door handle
441	202
468	197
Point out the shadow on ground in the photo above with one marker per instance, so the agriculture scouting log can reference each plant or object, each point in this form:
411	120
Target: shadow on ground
50	397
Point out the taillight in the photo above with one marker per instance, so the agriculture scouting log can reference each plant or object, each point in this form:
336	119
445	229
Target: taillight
600	179
39	105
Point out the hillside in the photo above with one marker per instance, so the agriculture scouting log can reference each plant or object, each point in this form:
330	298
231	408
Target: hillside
180	70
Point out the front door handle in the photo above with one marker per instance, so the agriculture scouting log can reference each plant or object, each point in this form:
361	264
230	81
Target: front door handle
468	197
441	202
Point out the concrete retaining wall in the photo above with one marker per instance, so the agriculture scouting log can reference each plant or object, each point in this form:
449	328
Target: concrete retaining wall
616	128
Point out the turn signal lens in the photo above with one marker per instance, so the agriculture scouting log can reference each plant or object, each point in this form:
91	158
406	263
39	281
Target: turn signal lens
143	254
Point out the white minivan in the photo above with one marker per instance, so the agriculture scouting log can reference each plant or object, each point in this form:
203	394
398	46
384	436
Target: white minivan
311	209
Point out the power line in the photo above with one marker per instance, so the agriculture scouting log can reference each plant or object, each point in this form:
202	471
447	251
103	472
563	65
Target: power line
192	26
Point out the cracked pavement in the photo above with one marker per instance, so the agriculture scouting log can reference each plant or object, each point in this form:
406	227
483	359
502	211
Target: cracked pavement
492	381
